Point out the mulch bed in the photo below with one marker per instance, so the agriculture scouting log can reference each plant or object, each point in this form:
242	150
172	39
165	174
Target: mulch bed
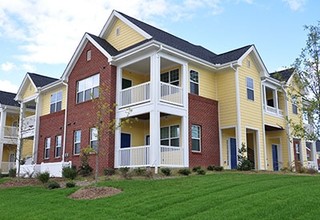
20	183
94	193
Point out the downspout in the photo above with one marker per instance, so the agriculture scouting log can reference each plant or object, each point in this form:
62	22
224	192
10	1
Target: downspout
65	124
238	130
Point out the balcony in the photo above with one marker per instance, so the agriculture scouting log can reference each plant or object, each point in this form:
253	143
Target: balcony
28	126
140	94
274	111
6	166
10	132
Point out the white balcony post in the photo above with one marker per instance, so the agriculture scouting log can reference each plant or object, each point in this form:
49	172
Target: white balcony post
119	87
20	141
185	140
155	139
276	101
314	154
264	97
36	129
3	115
117	142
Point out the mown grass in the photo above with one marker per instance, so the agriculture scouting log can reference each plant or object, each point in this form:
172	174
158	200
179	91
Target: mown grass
215	196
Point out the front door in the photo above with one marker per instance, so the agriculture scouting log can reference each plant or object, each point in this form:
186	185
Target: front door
233	153
125	153
275	157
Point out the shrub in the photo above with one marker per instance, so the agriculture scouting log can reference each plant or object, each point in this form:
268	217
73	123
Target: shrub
184	171
245	165
149	174
13	172
53	185
125	172
312	171
69	172
140	171
43	177
201	172
85	169
166	171
218	168
211	167
70	184
109	171
195	169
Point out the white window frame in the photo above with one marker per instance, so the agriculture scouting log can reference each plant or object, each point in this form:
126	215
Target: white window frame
93	137
90	86
173	82
192	81
76	142
294	105
249	88
47	143
169	138
55	100
196	138
58	146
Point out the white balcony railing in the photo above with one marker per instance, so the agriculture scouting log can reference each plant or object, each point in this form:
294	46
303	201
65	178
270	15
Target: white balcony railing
274	110
170	93
28	126
6	166
171	156
134	156
135	94
11	132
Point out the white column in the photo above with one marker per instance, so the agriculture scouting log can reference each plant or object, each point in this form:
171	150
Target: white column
117	133
20	140
185	140
3	116
36	129
276	101
314	155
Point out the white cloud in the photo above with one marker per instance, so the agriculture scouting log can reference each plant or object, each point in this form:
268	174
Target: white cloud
7	66
295	5
8	86
28	67
49	31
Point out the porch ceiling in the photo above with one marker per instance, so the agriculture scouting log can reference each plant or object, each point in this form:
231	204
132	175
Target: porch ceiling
273	128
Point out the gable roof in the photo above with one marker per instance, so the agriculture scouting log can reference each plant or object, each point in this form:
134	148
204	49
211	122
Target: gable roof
283	75
41	80
105	45
7	98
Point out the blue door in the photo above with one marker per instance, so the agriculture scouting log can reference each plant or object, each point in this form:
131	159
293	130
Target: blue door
233	153
275	157
125	140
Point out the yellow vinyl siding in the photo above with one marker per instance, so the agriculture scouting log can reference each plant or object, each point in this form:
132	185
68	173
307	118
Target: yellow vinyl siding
207	82
138	130
226	94
275	121
27	147
251	111
7	149
126	38
136	78
225	135
29	91
46	96
12	118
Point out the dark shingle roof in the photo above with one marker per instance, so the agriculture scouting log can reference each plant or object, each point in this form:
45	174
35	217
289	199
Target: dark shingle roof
105	45
7	98
231	55
283	75
40	80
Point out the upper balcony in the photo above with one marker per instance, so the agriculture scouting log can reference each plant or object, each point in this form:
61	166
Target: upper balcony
274	102
28	126
147	81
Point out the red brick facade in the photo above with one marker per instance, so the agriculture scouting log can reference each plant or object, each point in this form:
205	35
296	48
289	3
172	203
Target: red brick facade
204	112
51	125
83	116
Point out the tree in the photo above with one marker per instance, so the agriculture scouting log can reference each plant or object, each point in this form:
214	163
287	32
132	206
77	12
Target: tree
308	68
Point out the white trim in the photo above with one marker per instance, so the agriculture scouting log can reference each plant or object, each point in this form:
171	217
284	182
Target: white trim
65	124
256	146
200	138
263	103
239	129
22	85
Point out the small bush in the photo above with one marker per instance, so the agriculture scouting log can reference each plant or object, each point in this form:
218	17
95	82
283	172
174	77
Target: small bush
149	174
70	184
13	172
43	177
85	170
184	171
69	172
195	169
125	172
53	185
109	171
211	167
311	171
201	172
218	168
140	171
166	171
245	165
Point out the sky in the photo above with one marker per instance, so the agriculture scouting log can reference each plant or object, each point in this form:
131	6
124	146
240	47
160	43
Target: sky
41	36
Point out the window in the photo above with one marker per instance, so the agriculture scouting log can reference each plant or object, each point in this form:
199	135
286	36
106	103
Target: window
171	77
58	146
250	89
47	143
88	88
94	138
294	105
88	55
169	136
55	102
194	82
77	142
196	138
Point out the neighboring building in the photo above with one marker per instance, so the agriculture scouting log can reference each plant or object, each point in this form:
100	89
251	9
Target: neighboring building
194	107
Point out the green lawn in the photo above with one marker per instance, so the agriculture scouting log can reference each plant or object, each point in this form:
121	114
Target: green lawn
213	196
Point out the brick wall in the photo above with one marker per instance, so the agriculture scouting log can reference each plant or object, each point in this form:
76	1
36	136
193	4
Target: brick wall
83	116
204	112
51	125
